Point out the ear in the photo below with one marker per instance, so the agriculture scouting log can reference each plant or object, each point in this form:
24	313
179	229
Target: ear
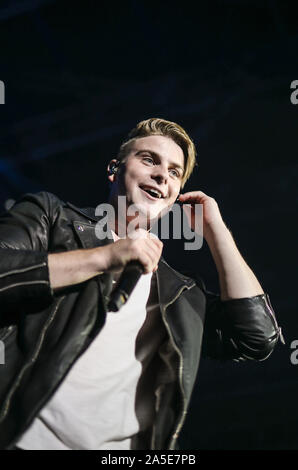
112	169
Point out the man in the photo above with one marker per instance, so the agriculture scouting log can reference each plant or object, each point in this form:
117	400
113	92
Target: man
78	376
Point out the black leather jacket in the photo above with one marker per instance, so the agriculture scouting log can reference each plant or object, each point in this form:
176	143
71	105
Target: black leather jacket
44	332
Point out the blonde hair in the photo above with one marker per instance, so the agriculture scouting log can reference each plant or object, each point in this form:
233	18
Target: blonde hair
157	126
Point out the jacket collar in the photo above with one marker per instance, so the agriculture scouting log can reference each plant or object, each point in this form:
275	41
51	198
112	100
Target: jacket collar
88	212
91	235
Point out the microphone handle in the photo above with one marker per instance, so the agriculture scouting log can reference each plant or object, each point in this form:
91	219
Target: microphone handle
127	282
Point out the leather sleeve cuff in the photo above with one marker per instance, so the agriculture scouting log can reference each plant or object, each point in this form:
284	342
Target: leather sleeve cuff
240	329
250	329
24	280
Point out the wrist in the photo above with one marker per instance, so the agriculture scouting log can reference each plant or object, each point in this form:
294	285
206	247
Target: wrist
100	258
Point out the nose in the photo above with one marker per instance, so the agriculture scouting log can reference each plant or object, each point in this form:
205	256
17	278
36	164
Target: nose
160	174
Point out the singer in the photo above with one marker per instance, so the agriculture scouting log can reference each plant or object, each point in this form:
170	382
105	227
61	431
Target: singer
80	376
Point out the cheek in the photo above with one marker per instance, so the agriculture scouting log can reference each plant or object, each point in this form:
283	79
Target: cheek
133	172
131	179
175	191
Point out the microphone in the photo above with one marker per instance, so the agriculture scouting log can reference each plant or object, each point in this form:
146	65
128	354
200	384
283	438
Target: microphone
127	282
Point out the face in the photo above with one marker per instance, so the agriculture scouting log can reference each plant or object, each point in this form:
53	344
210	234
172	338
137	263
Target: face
151	175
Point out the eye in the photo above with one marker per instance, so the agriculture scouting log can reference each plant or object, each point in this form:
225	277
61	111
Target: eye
174	173
148	159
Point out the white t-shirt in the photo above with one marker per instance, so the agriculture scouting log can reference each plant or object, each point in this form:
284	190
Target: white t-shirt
107	397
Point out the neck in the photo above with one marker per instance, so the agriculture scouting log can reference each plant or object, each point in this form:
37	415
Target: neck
122	223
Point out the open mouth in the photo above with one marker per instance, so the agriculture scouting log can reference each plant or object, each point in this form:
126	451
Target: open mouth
154	194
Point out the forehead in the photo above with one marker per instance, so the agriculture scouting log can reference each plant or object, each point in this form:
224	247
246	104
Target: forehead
163	146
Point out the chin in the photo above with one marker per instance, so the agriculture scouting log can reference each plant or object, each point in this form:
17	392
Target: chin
146	210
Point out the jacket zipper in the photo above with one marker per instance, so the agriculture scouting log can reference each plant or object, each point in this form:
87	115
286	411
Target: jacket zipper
18	271
277	328
31	361
26	283
184	412
24	270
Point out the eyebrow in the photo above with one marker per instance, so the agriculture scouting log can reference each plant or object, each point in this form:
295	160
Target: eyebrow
157	155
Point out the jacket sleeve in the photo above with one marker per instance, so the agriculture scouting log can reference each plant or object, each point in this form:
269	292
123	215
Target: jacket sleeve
239	329
24	242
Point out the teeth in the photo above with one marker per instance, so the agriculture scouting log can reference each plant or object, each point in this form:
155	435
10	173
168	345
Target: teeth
153	191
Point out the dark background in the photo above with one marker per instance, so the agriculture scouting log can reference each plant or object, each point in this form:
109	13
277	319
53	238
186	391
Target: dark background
79	74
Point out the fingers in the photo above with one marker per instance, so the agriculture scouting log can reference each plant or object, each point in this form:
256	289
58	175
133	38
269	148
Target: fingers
142	246
147	251
194	197
149	254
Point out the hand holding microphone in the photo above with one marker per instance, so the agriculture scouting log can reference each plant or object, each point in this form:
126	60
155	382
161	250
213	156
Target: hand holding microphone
138	255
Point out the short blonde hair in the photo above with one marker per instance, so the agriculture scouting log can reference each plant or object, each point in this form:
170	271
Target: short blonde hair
157	126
